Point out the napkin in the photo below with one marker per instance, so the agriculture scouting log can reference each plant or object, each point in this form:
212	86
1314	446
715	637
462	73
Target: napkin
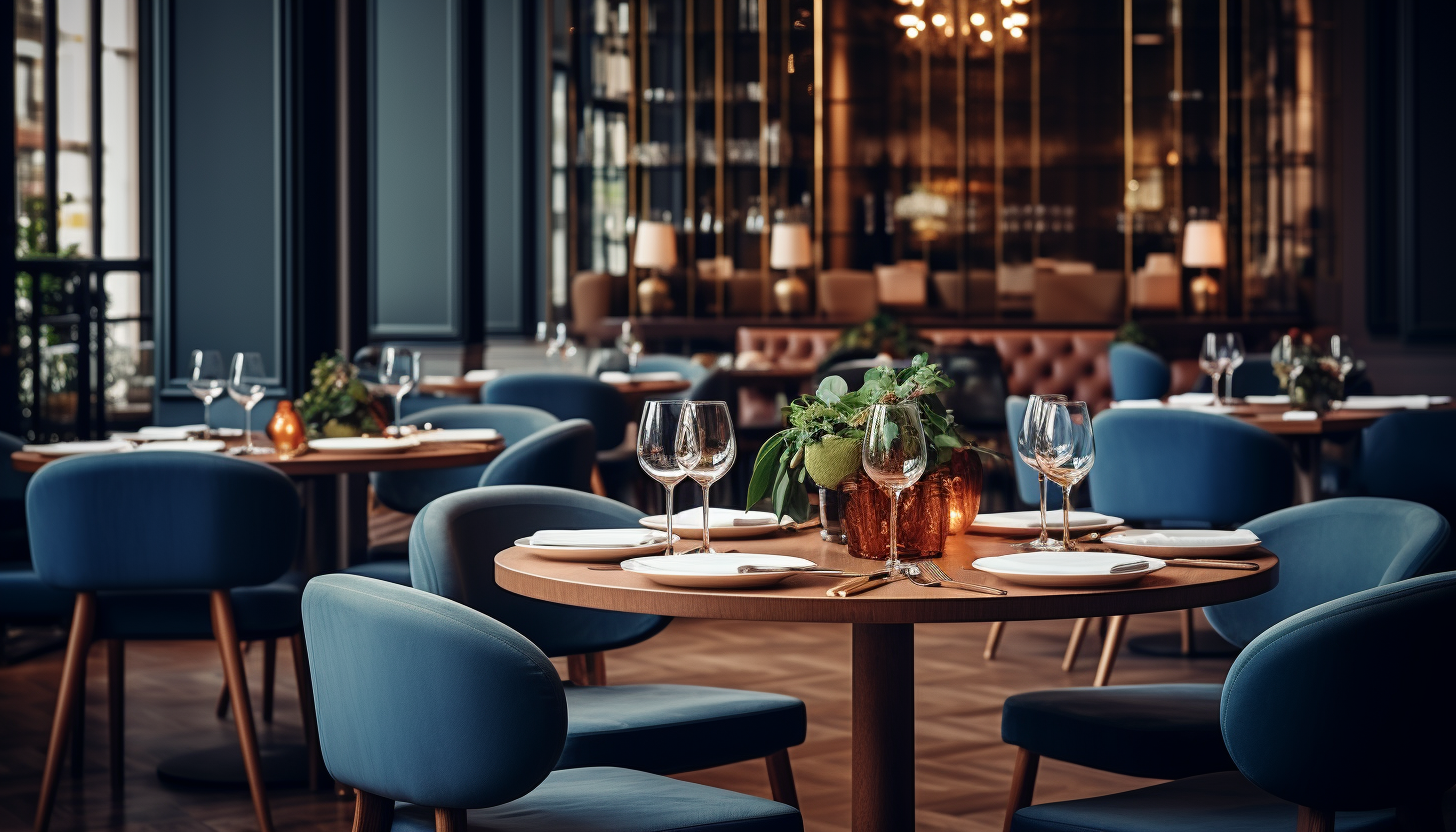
482	376
162	431
1299	416
721	517
1137	404
92	447
1267	399
1203	538
1064	563
1392	402
664	375
597	538
1191	399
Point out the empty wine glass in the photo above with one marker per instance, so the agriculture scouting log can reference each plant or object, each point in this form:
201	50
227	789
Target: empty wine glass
397	377
894	456
706	448
1340	351
1281	359
1026	449
657	450
207	381
1235	343
246	385
1215	359
1066	451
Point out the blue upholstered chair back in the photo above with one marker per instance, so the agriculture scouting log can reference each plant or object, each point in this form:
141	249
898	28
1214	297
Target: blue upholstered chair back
452	550
1331	549
1026	486
566	396
560	455
1137	372
664	363
161	521
1347	706
1397	459
1255	377
423	700
1172	465
410	491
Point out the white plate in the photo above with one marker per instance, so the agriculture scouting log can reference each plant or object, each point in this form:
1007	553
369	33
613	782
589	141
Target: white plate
1128	542
459	435
201	446
107	446
160	434
1060	568
363	445
691	526
587	554
1029	522
707	570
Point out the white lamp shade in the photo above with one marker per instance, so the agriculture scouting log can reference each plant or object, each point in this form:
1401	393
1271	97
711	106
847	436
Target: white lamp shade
789	246
656	246
1203	245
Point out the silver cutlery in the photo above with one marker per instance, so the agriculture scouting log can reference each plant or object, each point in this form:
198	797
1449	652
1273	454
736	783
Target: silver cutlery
1131	566
855	586
928	573
751	569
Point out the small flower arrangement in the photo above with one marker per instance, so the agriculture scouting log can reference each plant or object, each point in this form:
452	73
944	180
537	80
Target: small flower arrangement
339	403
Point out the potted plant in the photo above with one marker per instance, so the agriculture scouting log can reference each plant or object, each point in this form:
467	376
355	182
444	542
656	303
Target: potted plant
338	403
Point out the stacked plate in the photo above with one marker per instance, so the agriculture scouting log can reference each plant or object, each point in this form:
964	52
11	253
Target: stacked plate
594	545
1069	568
363	445
201	446
724	523
1028	523
710	570
1192	543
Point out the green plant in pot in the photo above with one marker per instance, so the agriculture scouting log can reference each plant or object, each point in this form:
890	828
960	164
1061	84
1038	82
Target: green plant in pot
338	403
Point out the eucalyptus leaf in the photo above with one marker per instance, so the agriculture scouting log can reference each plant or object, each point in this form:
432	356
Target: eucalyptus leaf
832	389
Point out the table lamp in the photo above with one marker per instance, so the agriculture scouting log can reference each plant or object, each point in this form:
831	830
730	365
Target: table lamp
1204	248
656	249
789	250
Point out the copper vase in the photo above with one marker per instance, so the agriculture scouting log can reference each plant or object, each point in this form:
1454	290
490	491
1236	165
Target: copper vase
923	518
965	489
287	431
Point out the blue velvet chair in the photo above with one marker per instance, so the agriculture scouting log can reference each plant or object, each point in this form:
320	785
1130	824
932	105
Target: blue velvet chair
174	546
707	385
559	456
1255	377
1327	550
1338	718
566	396
461	720
1137	372
1396	461
664	729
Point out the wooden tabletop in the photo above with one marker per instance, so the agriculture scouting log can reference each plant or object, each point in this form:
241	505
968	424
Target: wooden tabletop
634	391
1270	417
802	598
314	463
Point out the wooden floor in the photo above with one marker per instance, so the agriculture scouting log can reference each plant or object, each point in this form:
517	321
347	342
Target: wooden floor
962	765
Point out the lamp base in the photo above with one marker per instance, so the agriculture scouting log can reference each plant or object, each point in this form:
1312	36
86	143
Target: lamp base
654	296
791	295
1205	292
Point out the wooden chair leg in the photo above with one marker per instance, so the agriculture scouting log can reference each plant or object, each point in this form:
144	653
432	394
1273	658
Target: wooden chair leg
222	695
372	813
310	718
1023	784
225	630
1315	820
78	734
993	640
1074	644
116	710
270	671
587	669
83	619
598	485
1185	632
781	778
449	820
1110	647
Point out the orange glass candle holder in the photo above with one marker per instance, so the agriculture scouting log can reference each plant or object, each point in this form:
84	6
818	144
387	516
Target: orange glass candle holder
287	431
923	518
965	489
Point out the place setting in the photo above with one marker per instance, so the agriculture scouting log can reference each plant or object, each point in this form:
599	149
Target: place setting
596	545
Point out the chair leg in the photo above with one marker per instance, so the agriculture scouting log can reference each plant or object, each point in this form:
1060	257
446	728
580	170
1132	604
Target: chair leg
1074	644
116	710
78	735
270	671
1185	632
372	813
83	619
310	718
1110	647
1315	820
225	631
587	669
598	485
781	778
222	695
449	820
993	640
1023	783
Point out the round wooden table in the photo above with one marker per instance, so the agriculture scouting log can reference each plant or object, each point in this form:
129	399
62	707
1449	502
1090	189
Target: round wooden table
883	760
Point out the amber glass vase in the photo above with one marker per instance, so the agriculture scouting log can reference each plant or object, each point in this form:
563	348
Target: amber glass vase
965	489
924	516
287	431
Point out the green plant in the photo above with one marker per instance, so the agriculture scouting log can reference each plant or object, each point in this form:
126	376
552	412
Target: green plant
1133	333
338	403
833	411
883	334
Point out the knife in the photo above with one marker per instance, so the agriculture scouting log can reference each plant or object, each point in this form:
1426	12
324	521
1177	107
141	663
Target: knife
859	585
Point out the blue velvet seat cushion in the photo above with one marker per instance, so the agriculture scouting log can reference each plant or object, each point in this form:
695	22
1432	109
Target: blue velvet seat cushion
24	599
618	800
1161	731
394	571
666	729
262	612
1210	803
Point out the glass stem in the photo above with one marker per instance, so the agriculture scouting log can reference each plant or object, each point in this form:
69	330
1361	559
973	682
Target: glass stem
1217	380
207	417
1041	486
397	400
706	547
668	503
1229	387
1067	519
248	425
893	564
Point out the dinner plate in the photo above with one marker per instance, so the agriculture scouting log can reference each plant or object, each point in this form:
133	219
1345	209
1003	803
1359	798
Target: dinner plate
1064	568
690	524
710	570
100	446
1128	542
158	434
589	554
1028	523
200	446
363	445
459	435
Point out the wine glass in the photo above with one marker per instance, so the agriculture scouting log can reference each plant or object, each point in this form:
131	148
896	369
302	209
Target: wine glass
1340	351
397	377
1214	359
246	385
1066	451
1235	342
894	456
706	448
656	450
1026	449
1281	359
207	382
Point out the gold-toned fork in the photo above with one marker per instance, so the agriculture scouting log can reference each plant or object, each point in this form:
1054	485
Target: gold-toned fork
937	577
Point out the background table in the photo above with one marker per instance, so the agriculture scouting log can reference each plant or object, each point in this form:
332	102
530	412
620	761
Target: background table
883	791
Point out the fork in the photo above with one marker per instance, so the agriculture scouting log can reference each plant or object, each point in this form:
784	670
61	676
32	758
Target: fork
927	573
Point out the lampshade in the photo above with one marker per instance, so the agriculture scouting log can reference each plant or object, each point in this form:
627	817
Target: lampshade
1203	245
656	246
789	246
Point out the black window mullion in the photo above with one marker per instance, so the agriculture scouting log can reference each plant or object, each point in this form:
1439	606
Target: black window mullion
94	308
52	127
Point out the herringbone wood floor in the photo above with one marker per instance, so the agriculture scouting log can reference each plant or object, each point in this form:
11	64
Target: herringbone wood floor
962	765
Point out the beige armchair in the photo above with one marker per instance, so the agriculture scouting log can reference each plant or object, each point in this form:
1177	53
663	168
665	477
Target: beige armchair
847	295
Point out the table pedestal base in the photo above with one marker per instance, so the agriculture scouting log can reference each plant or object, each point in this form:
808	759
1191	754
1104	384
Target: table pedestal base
883	756
222	767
